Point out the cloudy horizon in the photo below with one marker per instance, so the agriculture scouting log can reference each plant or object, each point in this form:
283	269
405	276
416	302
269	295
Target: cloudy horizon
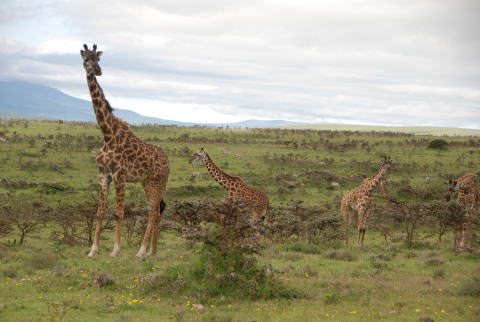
368	62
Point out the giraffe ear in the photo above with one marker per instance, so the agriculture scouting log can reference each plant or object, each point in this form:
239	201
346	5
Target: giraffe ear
82	53
99	53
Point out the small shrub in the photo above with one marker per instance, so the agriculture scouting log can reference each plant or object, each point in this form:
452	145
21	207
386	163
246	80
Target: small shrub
10	271
44	259
439	144
341	255
434	261
384	257
305	248
291	256
378	264
103	280
333	298
410	255
439	273
470	287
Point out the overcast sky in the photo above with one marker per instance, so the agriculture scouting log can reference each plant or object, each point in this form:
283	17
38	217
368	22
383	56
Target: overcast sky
406	62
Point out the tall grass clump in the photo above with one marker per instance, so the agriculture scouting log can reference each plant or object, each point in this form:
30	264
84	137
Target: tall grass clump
471	287
226	267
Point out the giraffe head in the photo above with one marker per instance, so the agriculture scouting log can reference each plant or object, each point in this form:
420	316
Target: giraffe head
91	59
451	185
199	156
462	183
387	163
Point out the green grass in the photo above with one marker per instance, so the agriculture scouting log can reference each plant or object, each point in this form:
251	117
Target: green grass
349	290
417	130
45	280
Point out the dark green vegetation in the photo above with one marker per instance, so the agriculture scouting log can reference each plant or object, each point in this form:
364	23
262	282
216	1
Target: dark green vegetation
299	272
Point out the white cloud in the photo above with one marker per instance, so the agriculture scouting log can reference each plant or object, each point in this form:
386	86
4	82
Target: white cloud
365	61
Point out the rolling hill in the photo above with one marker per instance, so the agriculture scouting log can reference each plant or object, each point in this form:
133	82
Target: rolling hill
23	100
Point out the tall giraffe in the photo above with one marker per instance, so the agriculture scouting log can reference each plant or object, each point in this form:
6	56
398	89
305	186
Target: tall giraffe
469	198
361	200
123	158
235	186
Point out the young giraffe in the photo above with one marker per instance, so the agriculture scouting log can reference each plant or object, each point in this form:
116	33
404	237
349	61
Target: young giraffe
124	158
361	200
235	186
469	198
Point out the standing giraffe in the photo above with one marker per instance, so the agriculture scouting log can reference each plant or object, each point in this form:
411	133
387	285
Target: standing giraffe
123	158
361	200
235	186
469	198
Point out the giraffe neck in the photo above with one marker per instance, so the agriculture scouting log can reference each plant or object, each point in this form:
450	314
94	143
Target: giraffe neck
371	183
102	108
217	174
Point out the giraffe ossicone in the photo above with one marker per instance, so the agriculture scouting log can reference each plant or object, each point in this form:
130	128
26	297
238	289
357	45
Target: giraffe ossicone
123	158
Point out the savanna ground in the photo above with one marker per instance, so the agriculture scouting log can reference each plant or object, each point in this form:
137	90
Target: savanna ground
46	171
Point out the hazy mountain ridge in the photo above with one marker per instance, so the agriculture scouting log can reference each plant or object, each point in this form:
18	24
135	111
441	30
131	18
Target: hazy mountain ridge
34	101
23	100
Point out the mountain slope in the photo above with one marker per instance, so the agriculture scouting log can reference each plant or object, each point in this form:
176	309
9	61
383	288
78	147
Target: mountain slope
35	101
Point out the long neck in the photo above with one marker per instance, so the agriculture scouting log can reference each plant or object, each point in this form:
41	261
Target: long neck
102	108
217	174
371	183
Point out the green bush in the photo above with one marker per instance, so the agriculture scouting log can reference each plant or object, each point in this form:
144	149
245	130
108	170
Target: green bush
438	144
216	275
43	259
470	287
226	268
341	255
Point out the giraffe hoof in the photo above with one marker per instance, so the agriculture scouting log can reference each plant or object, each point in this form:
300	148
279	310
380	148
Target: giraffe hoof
92	252
115	251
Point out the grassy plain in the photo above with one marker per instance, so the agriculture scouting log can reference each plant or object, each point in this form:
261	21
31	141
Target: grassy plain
47	280
417	130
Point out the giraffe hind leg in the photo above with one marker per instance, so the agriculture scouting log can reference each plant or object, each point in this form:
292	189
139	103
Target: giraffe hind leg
156	229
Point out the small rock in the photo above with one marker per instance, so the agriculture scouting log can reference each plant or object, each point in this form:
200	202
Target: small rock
427	319
102	280
198	307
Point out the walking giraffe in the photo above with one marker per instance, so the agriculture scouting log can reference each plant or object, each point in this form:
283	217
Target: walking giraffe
469	198
235	186
361	200
124	158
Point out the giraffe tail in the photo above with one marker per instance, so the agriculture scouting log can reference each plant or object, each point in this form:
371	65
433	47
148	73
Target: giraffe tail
162	205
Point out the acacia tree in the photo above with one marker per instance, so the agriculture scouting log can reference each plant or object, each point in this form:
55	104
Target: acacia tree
23	214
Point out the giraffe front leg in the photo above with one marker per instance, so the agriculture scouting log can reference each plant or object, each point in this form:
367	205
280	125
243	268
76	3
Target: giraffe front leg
362	219
102	196
346	223
120	211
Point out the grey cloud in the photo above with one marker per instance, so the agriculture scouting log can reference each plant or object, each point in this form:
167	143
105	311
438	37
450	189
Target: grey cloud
400	62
